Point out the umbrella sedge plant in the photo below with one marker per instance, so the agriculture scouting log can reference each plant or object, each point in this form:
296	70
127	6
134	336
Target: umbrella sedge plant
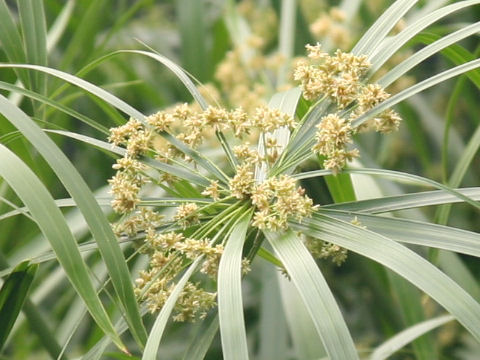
203	191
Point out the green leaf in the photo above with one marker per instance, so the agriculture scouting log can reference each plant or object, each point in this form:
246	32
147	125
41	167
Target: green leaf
416	232
12	296
34	29
397	41
191	20
401	260
199	158
203	339
230	304
406	336
415	89
380	29
286	44
55	104
58	27
340	187
177	70
406	201
412	309
11	41
183	173
307	343
286	102
428	51
98	224
273	334
461	168
408	297
410	178
158	328
52	224
315	293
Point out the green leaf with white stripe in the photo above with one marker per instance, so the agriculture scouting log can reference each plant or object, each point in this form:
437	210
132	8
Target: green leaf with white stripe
156	333
416	232
52	223
401	260
406	201
379	30
406	336
395	43
230	304
315	293
415	89
98	224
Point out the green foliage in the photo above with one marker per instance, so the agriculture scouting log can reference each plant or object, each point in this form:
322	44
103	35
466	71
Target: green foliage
258	226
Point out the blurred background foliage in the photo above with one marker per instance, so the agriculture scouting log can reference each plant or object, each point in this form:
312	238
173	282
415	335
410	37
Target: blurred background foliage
203	37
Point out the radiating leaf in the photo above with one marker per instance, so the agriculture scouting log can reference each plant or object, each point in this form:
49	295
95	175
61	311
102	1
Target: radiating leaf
406	336
426	52
230	304
416	232
406	201
397	41
156	333
52	224
379	30
315	293
98	224
401	260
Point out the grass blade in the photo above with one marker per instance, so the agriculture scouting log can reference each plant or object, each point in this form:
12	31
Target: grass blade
273	342
401	260
57	29
55	104
52	224
410	178
177	70
306	341
461	168
191	18
182	173
416	232
203	339
403	37
379	30
406	336
315	293
98	224
158	328
406	201
423	85
426	52
11	41
230	304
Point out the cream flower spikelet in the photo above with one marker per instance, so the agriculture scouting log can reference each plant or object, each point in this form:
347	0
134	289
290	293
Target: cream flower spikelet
187	214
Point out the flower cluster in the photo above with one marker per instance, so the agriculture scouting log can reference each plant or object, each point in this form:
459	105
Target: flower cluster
168	253
333	135
129	178
276	200
338	78
323	250
331	26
